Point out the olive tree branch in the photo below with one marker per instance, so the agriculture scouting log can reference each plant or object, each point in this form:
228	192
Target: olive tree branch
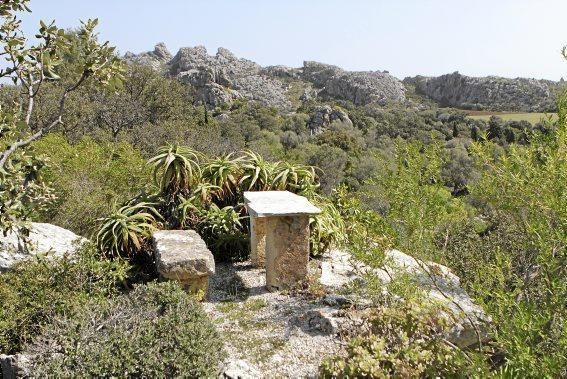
58	120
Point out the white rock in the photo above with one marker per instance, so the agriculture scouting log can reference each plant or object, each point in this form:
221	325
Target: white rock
240	369
43	239
437	281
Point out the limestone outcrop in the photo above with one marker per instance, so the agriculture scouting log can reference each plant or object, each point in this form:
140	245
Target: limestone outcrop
360	87
42	238
439	284
223	78
323	116
488	93
156	59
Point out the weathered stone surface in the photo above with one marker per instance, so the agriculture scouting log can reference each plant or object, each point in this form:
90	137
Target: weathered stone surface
15	366
488	93
286	235
287	251
281	71
156	59
438	282
42	239
317	321
258	241
224	77
360	87
183	255
277	203
239	369
323	116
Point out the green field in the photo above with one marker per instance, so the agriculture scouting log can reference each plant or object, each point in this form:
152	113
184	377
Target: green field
511	116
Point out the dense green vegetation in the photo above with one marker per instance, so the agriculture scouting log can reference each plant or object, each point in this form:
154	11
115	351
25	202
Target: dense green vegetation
33	294
114	151
156	330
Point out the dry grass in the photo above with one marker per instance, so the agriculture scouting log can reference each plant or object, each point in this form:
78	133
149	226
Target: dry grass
511	116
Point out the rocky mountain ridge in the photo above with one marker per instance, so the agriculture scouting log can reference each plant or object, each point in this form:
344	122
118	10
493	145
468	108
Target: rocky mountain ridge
488	93
223	78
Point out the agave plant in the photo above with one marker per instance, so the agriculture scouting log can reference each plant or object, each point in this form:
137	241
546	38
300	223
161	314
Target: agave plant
179	168
257	173
124	231
224	173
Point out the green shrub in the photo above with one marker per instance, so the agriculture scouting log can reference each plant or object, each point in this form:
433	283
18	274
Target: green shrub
405	341
36	291
155	331
88	178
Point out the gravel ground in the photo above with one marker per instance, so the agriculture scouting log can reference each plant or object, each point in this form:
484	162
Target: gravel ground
272	332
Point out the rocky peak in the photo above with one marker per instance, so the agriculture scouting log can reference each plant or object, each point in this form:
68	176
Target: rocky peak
155	59
223	77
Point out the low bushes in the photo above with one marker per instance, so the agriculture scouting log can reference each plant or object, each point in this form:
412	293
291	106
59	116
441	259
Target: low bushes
405	340
155	331
37	291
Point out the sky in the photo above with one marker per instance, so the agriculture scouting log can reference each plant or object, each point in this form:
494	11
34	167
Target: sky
511	38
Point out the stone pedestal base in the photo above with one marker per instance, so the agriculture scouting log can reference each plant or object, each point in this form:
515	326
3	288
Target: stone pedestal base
287	251
258	241
196	286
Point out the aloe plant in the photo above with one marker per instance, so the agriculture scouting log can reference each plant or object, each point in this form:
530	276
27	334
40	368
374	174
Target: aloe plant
224	173
257	173
125	230
327	228
295	177
224	232
179	168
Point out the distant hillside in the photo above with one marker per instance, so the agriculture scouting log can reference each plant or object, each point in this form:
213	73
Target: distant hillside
488	93
223	78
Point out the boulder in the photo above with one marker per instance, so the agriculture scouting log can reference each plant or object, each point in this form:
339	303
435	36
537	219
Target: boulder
42	239
317	321
239	369
15	366
183	255
323	116
439	284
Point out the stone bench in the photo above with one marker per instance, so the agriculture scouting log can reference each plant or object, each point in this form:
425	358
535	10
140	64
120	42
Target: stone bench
183	255
279	235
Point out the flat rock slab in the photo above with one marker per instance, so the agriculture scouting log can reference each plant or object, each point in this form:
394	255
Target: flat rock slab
277	203
182	255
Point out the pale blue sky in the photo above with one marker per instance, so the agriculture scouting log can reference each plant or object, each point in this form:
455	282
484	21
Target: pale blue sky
407	37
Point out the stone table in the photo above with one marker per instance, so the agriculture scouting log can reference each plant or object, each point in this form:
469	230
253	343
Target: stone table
279	235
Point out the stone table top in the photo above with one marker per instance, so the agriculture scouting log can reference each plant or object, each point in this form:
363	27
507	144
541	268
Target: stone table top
277	203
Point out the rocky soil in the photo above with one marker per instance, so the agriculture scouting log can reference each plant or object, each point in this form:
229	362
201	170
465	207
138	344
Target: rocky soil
270	334
288	334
